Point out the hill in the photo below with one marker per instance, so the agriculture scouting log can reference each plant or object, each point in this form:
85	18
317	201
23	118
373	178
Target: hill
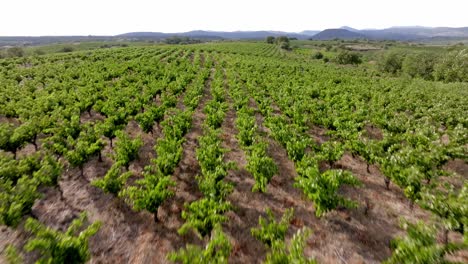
215	34
338	33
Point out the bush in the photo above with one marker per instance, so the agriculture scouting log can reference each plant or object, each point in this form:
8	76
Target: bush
419	65
270	39
39	52
67	49
285	45
15	52
391	62
453	67
61	247
347	57
317	55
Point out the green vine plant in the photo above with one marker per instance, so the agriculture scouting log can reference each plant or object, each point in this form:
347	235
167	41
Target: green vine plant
420	246
216	251
272	234
54	246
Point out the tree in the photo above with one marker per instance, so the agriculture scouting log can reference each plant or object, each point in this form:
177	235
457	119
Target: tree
15	52
452	67
270	40
391	62
419	65
317	55
67	49
283	42
57	247
348	57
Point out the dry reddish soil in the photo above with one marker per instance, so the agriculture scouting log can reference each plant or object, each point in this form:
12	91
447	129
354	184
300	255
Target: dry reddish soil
126	236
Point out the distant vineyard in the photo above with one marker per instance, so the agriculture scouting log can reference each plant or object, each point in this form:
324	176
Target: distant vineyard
144	113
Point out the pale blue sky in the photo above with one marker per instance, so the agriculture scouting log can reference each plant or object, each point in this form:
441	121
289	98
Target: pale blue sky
110	17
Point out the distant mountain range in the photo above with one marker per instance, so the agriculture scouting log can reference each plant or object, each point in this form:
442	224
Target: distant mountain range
201	34
414	33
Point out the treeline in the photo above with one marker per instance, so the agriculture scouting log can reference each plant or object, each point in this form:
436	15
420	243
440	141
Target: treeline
281	41
447	67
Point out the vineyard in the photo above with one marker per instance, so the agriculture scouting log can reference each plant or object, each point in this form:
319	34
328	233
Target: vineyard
228	153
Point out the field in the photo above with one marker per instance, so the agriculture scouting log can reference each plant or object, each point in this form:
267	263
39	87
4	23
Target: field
163	146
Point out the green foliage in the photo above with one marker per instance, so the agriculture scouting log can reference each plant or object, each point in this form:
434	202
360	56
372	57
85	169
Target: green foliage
49	171
331	151
210	156
419	65
9	141
13	256
322	188
216	251
348	57
261	166
114	180
247	127
169	152
15	52
215	112
270	39
17	200
420	246
150	192
57	247
449	205
147	119
452	67
293	253
126	149
271	231
85	146
203	215
177	124
391	62
317	55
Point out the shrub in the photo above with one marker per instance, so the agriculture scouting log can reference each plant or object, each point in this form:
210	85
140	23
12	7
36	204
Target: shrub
391	62
67	49
453	67
217	250
15	52
419	65
270	39
57	247
317	55
347	57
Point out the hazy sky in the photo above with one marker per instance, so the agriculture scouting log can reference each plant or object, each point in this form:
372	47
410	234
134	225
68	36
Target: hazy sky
110	17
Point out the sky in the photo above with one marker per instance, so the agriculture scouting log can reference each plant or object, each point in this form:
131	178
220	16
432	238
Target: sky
111	17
